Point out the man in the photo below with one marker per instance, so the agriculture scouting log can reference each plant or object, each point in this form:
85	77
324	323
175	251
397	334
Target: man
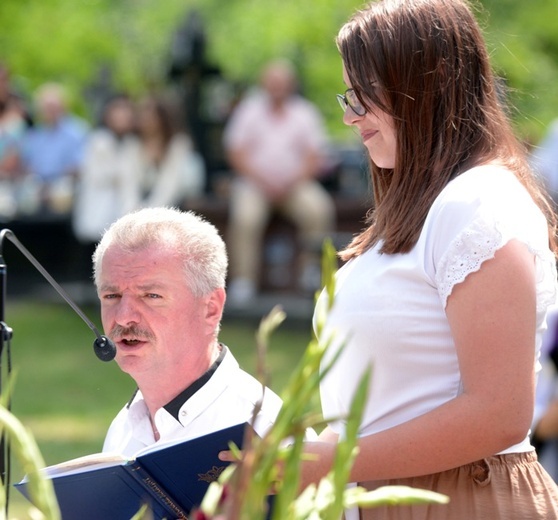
160	276
52	152
275	143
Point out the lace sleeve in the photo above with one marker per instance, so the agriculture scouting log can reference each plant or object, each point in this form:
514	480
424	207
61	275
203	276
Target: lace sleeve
478	243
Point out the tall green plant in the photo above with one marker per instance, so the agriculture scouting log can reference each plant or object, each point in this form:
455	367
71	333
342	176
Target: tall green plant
272	463
25	449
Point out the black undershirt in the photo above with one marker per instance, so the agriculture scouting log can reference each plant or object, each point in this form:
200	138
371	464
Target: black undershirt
174	406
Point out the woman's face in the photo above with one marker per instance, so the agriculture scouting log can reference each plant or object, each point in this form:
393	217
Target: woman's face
377	131
148	119
120	117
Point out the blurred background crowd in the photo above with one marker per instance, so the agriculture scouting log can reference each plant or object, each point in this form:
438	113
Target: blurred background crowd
110	106
270	154
255	156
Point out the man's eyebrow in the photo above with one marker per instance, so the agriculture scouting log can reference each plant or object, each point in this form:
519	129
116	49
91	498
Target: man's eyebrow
145	287
108	288
151	286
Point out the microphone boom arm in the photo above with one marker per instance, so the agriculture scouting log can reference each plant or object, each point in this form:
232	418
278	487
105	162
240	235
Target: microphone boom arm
103	346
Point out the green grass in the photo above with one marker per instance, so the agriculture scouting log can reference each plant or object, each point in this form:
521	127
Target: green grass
67	397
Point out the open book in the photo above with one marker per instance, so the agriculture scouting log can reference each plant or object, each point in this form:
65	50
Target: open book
171	479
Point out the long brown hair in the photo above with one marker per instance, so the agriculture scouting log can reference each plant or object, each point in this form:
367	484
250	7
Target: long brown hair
431	72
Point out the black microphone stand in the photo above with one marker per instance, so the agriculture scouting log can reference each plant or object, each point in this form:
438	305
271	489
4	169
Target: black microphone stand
6	233
5	337
104	348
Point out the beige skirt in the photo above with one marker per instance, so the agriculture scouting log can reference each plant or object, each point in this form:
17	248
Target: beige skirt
504	487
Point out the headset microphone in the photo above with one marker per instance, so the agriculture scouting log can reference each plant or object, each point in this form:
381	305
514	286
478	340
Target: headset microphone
103	347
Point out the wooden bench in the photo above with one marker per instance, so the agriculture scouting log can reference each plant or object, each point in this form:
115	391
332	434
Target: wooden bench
281	247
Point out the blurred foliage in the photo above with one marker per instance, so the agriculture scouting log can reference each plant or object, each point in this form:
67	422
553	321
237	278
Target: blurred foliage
523	38
72	40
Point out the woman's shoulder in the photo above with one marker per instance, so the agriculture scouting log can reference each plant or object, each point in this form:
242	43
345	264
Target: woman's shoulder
479	179
181	141
490	185
103	136
490	196
476	214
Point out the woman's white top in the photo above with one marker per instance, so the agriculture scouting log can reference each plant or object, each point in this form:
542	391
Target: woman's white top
390	309
107	185
116	178
179	177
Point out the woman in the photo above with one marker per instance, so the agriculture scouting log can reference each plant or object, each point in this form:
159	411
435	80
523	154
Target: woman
107	182
445	293
172	171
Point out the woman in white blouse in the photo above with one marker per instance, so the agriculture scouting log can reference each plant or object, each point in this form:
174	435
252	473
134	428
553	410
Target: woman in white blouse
107	184
172	171
445	293
136	158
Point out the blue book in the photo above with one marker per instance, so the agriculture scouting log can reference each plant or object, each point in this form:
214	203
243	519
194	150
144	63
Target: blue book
171	480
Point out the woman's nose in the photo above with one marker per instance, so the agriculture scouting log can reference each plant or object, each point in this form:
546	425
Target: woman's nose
350	117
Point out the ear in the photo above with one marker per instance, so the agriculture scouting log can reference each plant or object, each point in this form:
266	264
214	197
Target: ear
214	308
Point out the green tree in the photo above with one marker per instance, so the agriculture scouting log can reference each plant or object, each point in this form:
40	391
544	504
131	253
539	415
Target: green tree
524	39
70	40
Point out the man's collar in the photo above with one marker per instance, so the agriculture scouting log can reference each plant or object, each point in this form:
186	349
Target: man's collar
173	407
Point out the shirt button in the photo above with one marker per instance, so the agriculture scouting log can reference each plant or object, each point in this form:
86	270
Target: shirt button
183	413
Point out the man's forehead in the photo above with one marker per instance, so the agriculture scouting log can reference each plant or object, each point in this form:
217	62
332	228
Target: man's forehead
144	285
163	251
156	263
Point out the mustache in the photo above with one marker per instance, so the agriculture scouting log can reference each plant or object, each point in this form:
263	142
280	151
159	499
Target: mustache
118	331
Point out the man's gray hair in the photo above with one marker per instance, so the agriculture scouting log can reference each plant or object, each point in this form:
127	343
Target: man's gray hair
197	242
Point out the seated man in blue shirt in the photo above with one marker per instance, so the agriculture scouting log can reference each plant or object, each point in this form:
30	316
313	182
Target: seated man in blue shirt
52	153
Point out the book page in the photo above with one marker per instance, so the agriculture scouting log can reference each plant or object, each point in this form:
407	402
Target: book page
85	463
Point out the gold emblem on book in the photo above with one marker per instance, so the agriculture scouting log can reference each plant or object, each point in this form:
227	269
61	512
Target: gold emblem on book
212	475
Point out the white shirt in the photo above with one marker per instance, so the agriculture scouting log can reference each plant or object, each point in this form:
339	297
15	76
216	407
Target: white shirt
228	398
108	186
180	176
115	172
390	309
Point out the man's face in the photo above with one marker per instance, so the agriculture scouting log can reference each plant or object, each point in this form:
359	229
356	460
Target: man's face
159	328
279	83
51	108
